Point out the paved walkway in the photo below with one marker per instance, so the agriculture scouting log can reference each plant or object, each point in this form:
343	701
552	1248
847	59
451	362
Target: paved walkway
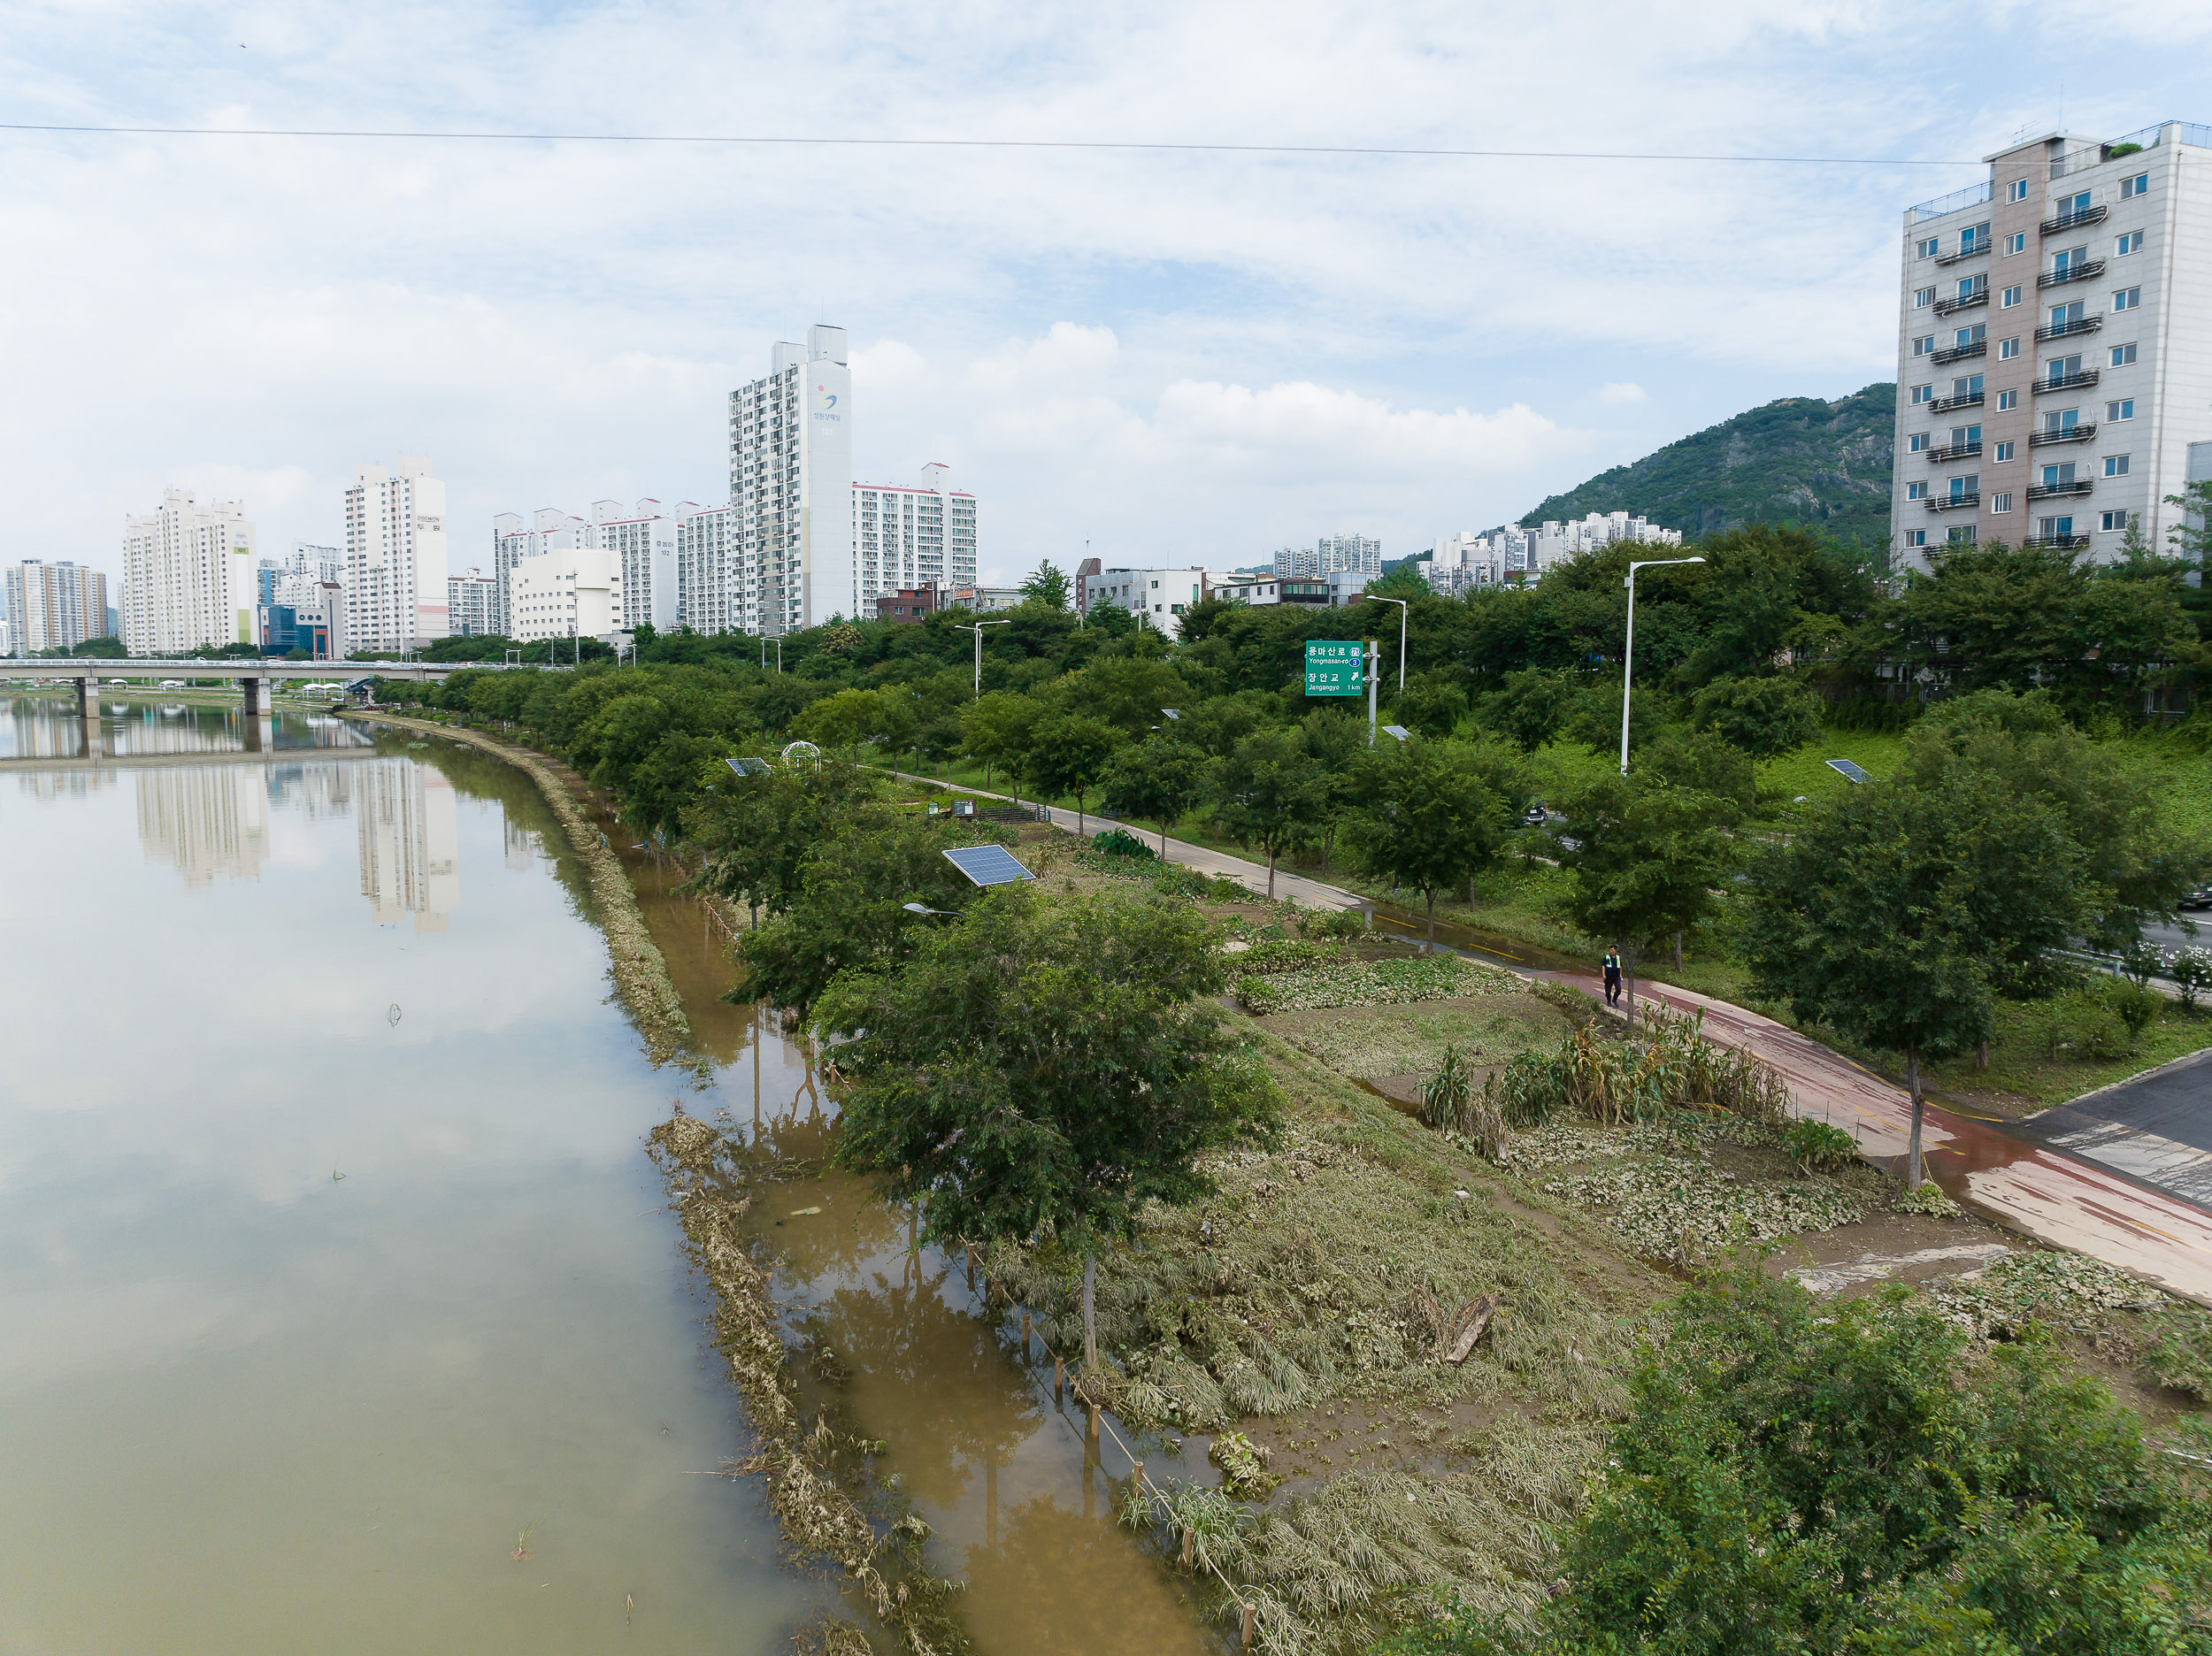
2038	1189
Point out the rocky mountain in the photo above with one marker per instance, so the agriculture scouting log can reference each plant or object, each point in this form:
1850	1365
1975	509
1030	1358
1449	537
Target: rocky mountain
1800	460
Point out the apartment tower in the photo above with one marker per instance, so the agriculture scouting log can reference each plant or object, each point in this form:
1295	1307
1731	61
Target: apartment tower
54	606
2054	346
396	556
791	478
187	576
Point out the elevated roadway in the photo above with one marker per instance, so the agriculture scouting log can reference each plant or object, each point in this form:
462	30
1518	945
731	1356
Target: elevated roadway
88	673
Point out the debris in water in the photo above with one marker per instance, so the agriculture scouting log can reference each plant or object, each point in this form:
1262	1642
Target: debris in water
522	1543
335	1176
391	1014
801	1212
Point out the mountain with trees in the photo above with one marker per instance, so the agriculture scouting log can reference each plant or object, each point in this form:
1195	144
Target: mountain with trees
1799	460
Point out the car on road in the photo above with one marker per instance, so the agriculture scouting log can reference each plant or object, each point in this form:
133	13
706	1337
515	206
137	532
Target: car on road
2201	898
1534	816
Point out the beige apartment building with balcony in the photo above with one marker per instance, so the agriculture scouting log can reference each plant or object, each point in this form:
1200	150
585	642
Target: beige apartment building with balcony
2054	346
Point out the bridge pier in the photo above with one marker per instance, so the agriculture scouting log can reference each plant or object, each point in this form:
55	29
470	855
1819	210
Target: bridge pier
88	717
252	688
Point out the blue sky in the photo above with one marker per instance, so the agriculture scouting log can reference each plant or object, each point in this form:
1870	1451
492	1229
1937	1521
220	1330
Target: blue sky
1181	358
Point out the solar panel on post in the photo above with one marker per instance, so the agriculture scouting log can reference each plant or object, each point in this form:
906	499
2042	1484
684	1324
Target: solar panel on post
1850	771
989	864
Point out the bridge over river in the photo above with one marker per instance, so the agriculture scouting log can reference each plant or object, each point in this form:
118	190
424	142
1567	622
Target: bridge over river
89	673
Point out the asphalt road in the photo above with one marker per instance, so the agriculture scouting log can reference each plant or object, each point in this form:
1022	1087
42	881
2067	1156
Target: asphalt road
2157	1127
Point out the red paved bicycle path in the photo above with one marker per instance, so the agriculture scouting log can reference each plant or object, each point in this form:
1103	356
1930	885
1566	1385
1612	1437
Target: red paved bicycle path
2050	1195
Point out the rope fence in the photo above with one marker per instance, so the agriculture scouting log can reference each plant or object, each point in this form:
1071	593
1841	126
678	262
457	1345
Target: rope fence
1249	1610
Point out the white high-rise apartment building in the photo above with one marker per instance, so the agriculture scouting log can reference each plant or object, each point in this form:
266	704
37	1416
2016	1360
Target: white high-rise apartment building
396	556
706	559
549	529
643	542
187	576
913	538
2054	345
1351	553
791	477
53	606
471	603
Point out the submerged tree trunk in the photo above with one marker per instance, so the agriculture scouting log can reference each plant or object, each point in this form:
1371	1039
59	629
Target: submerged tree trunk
1912	1085
1090	1313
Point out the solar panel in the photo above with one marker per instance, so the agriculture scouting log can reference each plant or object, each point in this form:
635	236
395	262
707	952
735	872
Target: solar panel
1850	771
1399	730
748	767
989	864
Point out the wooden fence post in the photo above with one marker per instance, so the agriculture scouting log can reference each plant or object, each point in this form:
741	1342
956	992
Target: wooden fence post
1025	1337
1250	1615
1059	1380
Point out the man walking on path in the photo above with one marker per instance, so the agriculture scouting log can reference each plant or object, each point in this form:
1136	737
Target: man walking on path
1613	976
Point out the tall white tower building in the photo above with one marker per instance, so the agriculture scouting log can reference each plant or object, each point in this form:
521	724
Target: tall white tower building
396	556
2054	346
187	576
791	477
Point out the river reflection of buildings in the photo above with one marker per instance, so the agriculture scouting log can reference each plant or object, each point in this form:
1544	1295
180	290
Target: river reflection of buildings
406	822
208	821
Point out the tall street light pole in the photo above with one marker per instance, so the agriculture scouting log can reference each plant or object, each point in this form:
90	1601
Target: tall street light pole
978	630
1628	653
1404	610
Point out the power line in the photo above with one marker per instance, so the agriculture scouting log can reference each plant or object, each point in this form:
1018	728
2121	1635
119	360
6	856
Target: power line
1378	151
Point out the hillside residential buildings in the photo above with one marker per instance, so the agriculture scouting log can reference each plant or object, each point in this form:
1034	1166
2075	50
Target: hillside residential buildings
2054	345
52	606
1522	552
791	479
908	604
982	599
396	556
1331	554
187	576
1245	588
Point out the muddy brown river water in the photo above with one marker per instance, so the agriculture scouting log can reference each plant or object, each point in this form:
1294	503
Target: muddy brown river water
339	1307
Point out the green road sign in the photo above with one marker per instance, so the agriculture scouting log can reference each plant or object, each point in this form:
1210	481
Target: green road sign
1332	667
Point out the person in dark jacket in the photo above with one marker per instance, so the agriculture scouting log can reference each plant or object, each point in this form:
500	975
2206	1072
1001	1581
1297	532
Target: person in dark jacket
1613	976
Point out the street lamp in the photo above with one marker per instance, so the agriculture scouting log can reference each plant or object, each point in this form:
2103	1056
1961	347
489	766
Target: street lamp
916	909
1404	610
1628	653
978	630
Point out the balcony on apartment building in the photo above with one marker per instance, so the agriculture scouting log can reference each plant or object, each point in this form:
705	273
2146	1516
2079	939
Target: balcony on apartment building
2073	220
1959	451
2061	434
2065	382
1944	405
2057	542
1965	251
1953	502
2054	491
2082	271
1964	302
2079	325
1960	353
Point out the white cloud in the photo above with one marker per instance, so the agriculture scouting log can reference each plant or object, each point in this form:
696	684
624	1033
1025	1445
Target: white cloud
1621	393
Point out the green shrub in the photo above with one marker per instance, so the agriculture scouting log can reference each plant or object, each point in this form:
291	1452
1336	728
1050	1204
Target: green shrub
2182	1357
2137	1006
1281	954
1118	842
1337	922
1817	1148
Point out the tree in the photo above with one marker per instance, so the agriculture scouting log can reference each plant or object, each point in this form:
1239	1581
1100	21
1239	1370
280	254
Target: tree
1160	777
848	911
996	728
1047	585
1264	793
1425	822
1869	918
1069	753
1044	1069
1645	862
1764	715
753	831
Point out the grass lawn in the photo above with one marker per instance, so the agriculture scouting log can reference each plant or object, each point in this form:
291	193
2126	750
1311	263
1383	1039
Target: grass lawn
1806	772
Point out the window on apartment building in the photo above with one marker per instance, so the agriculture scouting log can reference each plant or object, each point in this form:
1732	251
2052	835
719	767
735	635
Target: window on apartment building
2017	191
2010	297
2000	451
2127	299
2007	350
1926	248
2116	465
1923	297
1923	394
2007	400
1962	534
1915	537
1974	240
1918	443
2017	242
2129	242
2131	188
1916	491
1923	345
2123	409
2122	354
2000	502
